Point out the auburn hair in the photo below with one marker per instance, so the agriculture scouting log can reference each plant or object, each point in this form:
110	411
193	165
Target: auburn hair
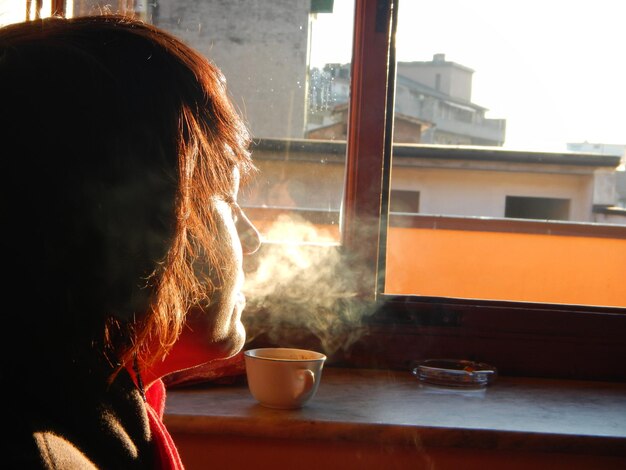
124	133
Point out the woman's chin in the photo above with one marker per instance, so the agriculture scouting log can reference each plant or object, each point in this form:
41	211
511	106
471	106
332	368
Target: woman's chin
241	338
235	342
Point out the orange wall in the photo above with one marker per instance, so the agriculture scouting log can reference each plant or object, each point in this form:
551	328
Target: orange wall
495	265
508	266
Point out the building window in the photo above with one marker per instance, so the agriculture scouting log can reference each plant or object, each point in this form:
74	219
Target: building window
404	201
542	208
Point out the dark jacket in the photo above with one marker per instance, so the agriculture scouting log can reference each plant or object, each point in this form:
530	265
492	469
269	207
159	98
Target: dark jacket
69	423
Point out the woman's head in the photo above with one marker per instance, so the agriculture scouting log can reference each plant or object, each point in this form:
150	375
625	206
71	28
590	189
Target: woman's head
124	145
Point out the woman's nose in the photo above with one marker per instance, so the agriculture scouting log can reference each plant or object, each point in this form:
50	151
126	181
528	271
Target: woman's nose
248	235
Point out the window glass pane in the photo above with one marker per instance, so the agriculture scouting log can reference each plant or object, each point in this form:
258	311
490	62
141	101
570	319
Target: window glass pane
287	66
509	125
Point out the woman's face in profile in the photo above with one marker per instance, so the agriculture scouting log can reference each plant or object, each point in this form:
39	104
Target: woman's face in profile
216	332
236	237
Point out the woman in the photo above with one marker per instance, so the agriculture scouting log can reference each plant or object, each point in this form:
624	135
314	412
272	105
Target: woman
122	162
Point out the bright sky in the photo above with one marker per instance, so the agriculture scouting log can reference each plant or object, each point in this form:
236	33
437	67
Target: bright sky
12	11
554	69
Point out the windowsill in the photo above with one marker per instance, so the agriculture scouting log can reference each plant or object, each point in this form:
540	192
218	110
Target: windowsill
391	407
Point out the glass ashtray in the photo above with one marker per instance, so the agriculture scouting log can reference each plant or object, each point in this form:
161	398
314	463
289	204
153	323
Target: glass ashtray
456	373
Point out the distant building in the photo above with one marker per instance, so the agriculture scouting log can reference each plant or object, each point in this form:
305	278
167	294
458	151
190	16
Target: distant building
440	92
615	180
601	149
433	179
432	105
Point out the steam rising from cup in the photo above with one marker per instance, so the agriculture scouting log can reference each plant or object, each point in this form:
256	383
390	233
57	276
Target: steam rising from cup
297	285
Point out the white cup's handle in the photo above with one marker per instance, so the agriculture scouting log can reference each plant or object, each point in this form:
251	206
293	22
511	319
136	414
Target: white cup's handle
306	379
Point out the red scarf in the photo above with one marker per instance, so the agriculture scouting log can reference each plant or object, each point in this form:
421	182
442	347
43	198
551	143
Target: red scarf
167	457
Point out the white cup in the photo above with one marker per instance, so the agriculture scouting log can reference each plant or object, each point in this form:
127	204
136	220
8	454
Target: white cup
283	378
